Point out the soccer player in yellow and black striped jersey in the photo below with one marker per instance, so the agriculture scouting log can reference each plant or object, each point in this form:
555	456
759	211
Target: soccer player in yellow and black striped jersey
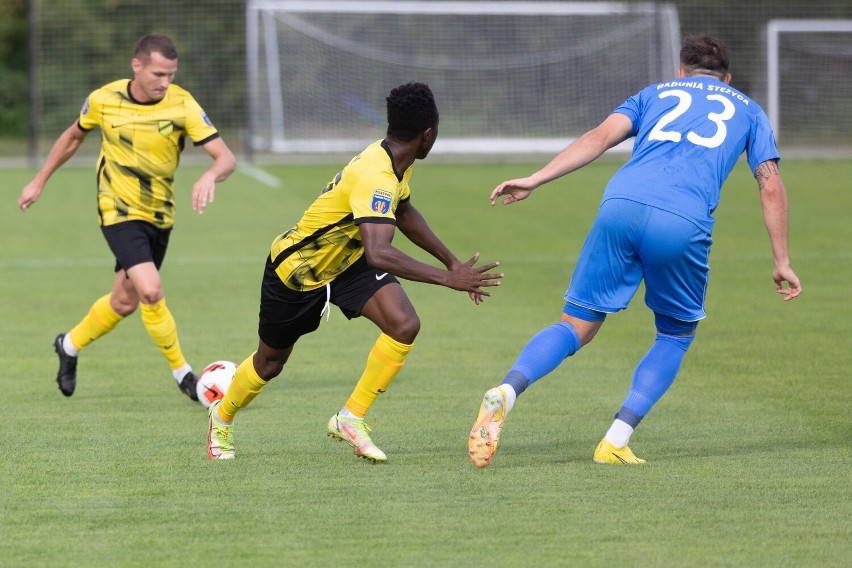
340	253
144	123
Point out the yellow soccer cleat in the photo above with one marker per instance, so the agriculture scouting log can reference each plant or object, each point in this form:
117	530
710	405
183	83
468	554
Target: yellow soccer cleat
356	434
607	453
220	437
485	434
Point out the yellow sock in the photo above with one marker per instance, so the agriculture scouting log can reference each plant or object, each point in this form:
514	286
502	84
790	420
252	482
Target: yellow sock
162	328
246	385
384	362
100	320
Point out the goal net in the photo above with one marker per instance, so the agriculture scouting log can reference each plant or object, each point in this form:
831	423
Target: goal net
507	76
809	80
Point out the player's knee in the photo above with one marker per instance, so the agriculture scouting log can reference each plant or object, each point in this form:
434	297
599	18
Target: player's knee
126	309
151	296
268	363
406	330
268	369
123	306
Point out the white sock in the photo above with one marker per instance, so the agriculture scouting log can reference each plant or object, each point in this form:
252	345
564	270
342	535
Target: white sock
68	347
344	413
180	372
511	396
619	433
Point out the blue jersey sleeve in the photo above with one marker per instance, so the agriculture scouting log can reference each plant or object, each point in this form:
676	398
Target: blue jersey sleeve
632	109
761	143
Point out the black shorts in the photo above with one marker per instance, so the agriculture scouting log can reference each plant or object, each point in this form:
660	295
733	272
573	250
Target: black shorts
286	315
135	242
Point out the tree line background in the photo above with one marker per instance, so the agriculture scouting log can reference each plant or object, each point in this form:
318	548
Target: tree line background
54	52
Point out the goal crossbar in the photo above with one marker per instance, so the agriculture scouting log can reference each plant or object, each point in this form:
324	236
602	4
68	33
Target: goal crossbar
267	63
774	28
454	7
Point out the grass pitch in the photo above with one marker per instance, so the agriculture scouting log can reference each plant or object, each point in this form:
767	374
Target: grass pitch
748	454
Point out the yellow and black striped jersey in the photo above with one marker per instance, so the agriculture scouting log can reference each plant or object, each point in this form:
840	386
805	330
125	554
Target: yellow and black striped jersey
140	150
326	240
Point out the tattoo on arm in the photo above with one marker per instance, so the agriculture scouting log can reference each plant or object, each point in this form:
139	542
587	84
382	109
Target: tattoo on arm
765	171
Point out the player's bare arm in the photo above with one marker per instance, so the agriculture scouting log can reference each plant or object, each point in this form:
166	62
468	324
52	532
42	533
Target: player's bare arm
612	131
224	164
381	254
413	225
64	147
773	199
764	171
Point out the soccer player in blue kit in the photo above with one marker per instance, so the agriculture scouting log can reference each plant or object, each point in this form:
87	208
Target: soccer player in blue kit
654	223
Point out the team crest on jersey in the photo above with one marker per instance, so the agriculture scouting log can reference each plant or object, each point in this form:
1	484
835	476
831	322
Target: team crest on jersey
206	120
381	201
85	109
165	127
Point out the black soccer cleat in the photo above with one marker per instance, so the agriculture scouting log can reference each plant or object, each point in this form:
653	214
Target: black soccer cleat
66	378
187	385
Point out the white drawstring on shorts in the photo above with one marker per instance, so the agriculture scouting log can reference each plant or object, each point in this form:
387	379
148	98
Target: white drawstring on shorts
326	309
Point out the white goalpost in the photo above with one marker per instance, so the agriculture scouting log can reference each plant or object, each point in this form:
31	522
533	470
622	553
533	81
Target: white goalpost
808	79
508	76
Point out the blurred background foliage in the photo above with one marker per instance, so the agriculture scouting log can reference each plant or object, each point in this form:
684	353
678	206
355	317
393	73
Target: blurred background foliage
54	52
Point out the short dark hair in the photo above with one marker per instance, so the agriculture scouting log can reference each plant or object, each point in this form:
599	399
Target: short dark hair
702	53
159	43
411	110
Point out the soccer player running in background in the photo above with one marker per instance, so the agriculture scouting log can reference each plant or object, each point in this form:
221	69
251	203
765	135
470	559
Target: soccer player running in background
654	223
340	253
144	123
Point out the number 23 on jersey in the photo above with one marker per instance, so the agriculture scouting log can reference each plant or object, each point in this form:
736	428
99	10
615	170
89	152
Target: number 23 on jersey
660	133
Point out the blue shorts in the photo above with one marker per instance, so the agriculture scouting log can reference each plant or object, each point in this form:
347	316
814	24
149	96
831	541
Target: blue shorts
629	242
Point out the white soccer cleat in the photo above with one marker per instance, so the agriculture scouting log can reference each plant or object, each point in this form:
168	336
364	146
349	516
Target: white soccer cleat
220	437
356	433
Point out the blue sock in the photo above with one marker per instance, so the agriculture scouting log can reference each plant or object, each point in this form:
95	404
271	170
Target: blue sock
654	375
544	352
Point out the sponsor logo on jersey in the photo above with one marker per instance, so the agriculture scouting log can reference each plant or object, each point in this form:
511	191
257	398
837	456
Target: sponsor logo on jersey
381	201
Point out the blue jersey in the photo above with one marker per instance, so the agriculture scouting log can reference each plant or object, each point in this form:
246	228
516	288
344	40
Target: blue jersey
689	135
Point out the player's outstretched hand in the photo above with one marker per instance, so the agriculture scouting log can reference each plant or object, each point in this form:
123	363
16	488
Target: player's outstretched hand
514	190
29	195
470	278
786	274
203	192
